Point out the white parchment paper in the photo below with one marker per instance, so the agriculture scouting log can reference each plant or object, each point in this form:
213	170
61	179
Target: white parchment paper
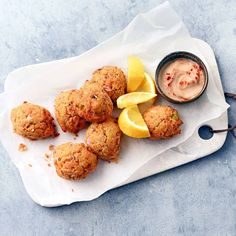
150	36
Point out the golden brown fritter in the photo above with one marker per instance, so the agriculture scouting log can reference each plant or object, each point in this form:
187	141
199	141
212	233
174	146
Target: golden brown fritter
94	104
74	161
33	122
67	111
112	79
163	122
104	139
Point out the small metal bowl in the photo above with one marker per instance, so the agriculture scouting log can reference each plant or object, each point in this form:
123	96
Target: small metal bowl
172	57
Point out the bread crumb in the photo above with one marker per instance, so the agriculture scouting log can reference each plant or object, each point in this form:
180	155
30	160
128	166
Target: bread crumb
51	147
29	165
72	190
22	147
49	164
46	155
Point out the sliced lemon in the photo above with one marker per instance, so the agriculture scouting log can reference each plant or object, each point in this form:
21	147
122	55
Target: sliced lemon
135	73
134	98
148	85
132	123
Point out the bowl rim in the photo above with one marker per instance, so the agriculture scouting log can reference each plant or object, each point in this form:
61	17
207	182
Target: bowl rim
174	56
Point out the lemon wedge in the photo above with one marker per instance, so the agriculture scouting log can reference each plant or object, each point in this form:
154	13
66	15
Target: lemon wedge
134	98
132	123
148	85
135	73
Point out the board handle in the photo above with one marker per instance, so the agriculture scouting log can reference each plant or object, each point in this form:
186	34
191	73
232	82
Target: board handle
230	128
230	95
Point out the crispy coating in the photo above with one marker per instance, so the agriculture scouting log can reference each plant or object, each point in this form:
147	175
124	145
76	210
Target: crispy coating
67	111
74	161
104	139
94	104
33	122
112	79
163	122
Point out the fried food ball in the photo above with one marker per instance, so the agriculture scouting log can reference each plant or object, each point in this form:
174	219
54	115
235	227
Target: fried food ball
33	122
94	104
104	139
74	161
163	122
112	79
67	111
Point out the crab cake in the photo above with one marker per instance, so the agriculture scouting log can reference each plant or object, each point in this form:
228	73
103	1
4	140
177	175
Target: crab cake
33	122
94	104
104	139
74	161
163	122
112	79
67	111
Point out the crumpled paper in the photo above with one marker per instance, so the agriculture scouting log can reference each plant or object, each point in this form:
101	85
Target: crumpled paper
150	36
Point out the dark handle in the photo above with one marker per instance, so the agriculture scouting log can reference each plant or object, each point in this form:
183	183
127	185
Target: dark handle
230	127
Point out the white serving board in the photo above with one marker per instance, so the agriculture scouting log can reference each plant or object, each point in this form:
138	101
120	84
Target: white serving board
182	154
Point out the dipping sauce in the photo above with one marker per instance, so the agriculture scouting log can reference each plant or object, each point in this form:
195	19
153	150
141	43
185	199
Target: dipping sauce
182	79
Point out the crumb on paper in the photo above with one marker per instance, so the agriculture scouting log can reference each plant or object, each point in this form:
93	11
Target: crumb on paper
51	147
49	165
47	155
22	147
75	136
29	165
72	190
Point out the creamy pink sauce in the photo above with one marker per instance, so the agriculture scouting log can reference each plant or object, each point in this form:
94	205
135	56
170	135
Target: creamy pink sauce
182	79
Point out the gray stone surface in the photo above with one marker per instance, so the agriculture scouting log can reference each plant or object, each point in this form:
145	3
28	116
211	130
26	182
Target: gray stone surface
195	199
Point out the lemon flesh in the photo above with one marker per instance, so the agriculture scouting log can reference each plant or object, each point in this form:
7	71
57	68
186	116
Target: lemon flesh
135	73
132	123
148	85
134	98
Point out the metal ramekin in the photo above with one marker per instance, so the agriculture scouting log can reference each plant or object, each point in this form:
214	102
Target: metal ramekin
177	55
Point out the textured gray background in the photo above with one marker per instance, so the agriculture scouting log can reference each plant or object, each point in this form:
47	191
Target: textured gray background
195	199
